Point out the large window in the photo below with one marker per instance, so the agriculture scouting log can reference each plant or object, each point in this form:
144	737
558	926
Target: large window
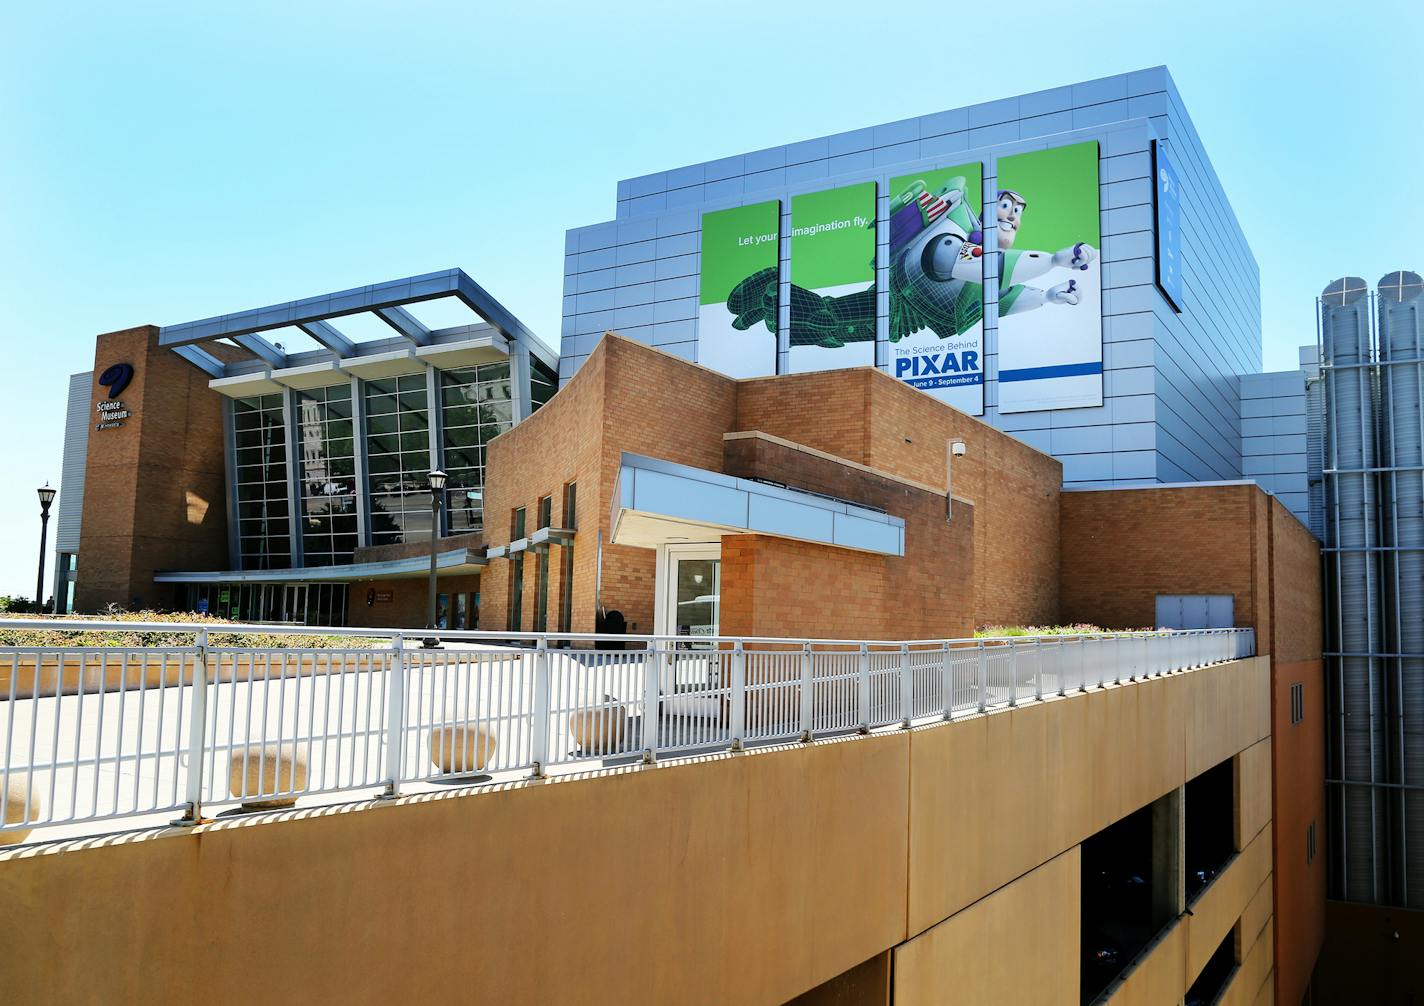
398	459
476	408
541	570
566	583
516	573
328	476
263	515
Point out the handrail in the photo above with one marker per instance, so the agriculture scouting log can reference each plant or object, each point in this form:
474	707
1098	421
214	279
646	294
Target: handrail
491	635
203	726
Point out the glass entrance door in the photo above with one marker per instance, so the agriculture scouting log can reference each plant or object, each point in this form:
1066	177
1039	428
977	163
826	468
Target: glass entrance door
689	594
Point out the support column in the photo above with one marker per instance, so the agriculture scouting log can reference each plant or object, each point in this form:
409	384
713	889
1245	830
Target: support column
358	446
1169	857
292	430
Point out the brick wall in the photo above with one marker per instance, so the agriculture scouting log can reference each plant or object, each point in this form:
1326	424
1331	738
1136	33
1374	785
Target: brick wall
629	397
775	587
409	603
1121	548
154	488
869	417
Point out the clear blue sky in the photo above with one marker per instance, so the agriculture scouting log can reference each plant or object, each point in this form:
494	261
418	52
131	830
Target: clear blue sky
159	164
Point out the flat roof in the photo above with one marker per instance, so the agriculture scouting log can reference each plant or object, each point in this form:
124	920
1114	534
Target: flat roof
456	561
382	305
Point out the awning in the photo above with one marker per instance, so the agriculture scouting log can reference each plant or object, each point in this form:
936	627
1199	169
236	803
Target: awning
456	562
539	541
657	502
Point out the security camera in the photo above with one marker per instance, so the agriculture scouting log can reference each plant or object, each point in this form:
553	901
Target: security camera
957	448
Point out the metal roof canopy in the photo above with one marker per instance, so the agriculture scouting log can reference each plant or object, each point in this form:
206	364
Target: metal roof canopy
312	315
461	561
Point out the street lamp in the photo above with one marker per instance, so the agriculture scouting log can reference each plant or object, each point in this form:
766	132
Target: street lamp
954	449
46	498
437	493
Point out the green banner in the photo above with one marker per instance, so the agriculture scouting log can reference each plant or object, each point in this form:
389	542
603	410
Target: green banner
1050	288
936	280
737	316
833	278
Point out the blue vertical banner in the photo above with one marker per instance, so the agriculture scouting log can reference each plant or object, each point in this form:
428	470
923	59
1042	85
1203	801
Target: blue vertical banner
1167	225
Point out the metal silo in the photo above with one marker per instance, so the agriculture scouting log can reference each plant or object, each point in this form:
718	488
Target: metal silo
1401	482
1315	449
1355	694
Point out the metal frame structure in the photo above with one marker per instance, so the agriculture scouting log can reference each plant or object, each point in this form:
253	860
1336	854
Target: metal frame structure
411	349
204	720
1373	474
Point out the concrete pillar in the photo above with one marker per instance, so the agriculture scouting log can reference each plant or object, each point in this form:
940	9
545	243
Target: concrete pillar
1169	857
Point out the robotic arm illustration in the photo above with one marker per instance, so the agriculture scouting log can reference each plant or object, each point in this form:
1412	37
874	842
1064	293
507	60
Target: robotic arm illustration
1019	267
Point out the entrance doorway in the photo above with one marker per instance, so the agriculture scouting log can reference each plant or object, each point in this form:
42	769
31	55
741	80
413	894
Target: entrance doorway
689	591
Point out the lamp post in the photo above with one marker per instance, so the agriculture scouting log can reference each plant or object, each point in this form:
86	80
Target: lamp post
954	449
437	493
46	498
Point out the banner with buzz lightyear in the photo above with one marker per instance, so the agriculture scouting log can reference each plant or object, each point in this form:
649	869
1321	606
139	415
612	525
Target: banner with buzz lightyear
1046	229
832	279
936	281
738	303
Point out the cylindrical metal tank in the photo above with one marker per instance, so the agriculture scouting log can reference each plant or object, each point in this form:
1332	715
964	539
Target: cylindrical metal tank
1401	365
1355	630
1315	453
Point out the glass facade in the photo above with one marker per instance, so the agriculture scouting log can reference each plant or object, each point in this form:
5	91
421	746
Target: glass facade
476	408
295	603
260	477
328	475
398	458
359	453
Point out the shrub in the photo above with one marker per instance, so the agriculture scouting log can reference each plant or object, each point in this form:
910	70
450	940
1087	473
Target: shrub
177	637
1077	629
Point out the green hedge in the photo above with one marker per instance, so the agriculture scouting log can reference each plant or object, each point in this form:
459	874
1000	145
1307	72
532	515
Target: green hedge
276	639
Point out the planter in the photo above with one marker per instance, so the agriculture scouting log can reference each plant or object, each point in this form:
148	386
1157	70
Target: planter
256	774
462	749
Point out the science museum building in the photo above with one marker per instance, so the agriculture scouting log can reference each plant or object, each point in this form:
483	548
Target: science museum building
996	365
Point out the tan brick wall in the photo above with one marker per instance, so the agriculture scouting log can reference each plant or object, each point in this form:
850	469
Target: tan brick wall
155	488
409	601
1297	597
867	416
558	444
630	397
776	587
1121	548
626	397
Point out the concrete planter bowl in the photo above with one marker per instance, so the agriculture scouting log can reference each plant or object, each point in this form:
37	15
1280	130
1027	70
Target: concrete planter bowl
462	749
257	774
15	792
600	730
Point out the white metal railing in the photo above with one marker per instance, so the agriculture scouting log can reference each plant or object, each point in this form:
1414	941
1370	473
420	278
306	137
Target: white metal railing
104	733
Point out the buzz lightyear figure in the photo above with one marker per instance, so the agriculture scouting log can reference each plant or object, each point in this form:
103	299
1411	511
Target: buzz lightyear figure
936	275
936	250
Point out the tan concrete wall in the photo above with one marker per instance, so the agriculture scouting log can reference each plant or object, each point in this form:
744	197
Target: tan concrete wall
737	878
1018	945
1071	767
